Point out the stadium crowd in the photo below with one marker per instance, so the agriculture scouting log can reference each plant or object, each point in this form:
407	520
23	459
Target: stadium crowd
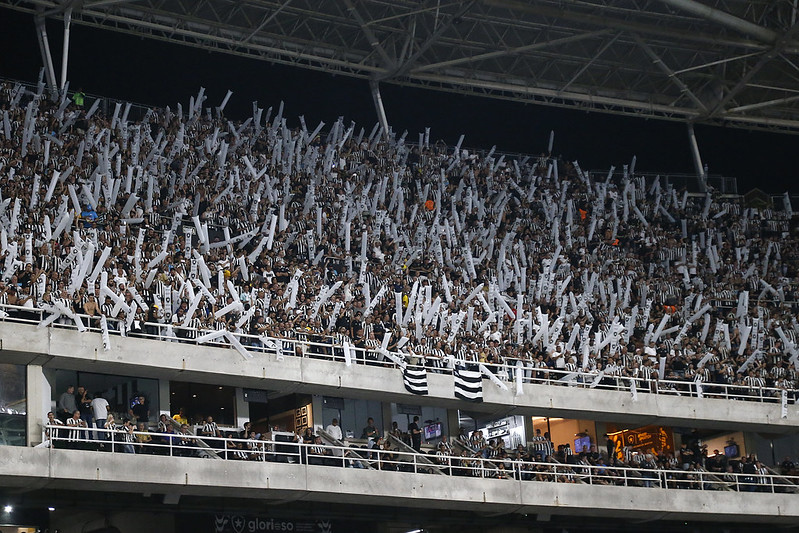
186	222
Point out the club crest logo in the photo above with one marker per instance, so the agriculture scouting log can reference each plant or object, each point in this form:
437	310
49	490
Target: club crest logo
220	521
238	523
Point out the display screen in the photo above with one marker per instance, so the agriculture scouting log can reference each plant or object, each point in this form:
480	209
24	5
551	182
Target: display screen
433	431
582	444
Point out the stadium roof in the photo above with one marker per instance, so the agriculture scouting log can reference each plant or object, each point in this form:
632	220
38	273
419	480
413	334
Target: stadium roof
726	62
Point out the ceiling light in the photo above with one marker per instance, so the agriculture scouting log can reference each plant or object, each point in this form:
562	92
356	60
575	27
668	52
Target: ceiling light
7	509
51	509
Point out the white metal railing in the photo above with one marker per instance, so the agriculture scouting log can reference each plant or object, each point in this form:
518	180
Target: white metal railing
324	346
186	445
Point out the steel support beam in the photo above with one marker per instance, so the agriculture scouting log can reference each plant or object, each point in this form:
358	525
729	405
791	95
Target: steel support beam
590	62
374	85
405	67
761	105
267	20
44	48
101	3
65	52
698	166
714	63
511	51
725	19
650	30
670	73
762	62
370	35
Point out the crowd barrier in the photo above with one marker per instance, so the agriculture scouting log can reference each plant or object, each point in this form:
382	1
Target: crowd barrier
320	346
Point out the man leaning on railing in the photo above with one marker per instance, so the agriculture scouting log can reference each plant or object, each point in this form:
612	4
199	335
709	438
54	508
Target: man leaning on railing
76	435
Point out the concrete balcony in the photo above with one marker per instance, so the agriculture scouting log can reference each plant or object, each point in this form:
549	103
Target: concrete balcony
48	468
68	349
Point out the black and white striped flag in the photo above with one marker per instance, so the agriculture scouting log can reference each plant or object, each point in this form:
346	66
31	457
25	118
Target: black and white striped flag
415	380
468	385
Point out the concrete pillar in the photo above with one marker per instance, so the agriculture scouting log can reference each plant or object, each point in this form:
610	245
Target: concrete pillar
386	422
453	423
601	440
242	408
529	431
164	398
317	404
38	403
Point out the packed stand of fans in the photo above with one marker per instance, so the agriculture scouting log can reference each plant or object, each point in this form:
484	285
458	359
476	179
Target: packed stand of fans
196	223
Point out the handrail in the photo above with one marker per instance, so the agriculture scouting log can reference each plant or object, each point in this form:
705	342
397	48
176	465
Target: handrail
339	445
716	478
469	450
504	371
401	446
780	476
171	444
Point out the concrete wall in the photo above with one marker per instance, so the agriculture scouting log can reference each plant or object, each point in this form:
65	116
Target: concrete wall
148	358
96	471
76	521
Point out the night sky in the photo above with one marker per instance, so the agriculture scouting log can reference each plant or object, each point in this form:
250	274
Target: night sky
157	73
